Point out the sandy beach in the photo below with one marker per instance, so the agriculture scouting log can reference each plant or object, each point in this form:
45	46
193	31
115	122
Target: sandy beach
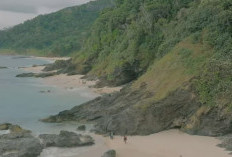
172	143
71	82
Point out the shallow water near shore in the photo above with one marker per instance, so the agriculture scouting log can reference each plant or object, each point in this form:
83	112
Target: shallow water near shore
24	101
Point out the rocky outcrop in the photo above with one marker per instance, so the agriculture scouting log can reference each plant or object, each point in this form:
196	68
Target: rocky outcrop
110	153
226	142
19	144
13	128
136	112
66	139
62	66
41	75
81	128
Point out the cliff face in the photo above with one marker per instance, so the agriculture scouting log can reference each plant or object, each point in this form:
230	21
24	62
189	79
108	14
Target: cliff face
166	96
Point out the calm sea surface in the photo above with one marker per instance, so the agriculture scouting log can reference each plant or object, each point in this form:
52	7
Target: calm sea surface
22	103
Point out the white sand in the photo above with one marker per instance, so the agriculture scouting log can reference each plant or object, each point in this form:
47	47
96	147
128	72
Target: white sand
171	143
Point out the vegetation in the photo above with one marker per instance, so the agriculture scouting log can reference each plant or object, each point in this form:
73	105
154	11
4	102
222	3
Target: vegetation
60	33
165	43
188	38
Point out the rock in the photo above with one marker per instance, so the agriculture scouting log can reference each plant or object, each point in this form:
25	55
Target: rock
3	67
110	153
5	126
226	142
19	145
13	128
81	128
38	75
26	75
66	139
18	129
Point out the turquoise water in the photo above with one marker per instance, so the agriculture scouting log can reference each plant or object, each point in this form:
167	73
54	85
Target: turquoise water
22	103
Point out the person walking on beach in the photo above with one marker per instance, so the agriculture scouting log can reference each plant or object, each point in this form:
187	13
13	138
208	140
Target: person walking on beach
125	139
111	135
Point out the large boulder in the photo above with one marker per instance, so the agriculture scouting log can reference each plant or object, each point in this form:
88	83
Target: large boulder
66	139
13	128
81	128
110	153
19	145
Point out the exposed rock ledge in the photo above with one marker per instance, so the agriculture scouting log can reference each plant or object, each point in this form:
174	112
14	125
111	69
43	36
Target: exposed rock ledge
121	114
21	143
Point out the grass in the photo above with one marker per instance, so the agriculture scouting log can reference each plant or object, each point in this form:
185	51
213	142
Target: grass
174	70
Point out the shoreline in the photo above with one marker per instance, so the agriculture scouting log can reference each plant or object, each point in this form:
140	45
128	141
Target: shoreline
72	82
164	144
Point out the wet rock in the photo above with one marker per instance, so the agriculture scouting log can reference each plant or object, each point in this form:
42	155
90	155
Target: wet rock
66	139
5	126
81	128
13	128
110	153
3	67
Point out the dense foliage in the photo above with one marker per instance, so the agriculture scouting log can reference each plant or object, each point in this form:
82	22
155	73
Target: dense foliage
59	33
137	33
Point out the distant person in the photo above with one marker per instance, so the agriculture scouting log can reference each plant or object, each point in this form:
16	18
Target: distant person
125	139
111	135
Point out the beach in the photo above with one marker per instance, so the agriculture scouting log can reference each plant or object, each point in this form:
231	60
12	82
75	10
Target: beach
172	143
71	82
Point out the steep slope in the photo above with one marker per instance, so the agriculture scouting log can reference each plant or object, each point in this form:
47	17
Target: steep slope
59	33
178	55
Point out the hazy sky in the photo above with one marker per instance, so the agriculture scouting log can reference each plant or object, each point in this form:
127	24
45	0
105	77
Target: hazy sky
13	12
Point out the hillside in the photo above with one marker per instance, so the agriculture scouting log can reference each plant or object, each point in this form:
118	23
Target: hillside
177	56
57	34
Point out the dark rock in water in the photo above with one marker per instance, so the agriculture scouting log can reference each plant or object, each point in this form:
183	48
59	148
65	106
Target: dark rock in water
26	75
42	91
18	129
5	126
81	128
66	139
41	75
13	128
3	67
20	145
110	153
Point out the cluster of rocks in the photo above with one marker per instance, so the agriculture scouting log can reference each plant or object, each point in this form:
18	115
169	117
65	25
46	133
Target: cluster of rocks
226	142
66	139
21	143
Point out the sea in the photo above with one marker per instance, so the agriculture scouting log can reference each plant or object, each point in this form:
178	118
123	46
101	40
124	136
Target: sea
23	102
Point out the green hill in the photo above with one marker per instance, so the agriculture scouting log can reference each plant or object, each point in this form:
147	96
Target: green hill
59	33
178	55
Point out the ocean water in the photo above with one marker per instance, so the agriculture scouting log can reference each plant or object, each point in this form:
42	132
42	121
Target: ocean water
22	103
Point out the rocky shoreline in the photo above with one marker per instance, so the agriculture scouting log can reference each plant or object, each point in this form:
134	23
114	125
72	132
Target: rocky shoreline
22	143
